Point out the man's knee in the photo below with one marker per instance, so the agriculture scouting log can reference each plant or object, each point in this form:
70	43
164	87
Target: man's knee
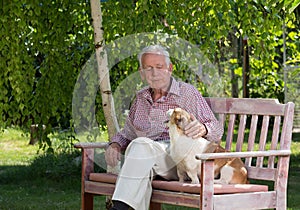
140	146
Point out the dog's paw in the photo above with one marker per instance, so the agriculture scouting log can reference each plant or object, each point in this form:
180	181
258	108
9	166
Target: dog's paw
195	181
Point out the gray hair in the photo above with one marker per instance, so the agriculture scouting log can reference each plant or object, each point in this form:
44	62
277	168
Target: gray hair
155	49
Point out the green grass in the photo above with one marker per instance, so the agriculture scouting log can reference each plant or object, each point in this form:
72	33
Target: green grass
29	180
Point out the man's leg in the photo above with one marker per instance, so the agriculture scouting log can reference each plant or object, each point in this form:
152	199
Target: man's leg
133	186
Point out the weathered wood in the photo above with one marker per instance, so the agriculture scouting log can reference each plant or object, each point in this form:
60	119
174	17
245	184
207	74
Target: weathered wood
176	198
265	200
257	106
262	173
87	167
207	185
210	156
241	133
230	132
176	186
155	206
99	188
254	150
275	138
89	145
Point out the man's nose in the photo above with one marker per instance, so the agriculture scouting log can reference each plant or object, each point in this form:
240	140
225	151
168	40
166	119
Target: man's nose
155	72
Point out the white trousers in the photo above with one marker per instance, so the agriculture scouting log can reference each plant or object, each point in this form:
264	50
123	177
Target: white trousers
144	158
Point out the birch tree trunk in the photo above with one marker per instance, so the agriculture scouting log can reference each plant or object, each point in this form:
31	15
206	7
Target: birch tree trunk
103	71
104	82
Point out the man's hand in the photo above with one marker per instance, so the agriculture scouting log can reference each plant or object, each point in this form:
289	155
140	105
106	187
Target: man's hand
113	154
195	129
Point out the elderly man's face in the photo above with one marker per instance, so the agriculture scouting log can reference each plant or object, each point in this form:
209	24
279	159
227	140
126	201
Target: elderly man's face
155	70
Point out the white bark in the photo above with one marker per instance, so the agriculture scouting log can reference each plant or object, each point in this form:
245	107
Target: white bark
104	82
103	71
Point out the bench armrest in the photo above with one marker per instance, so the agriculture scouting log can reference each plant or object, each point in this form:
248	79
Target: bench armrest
91	145
211	156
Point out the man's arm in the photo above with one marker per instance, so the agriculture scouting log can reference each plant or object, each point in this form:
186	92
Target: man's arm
198	106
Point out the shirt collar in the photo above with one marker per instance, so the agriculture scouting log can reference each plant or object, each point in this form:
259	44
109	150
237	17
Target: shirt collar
174	89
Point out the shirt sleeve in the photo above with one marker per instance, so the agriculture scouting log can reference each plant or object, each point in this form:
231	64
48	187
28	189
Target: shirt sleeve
201	110
214	128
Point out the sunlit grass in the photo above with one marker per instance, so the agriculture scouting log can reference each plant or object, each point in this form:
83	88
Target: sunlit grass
15	148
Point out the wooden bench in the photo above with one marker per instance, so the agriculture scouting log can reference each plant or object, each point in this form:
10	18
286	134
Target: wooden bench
262	140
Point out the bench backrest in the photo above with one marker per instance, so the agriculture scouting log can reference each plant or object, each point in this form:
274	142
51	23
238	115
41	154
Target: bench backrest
256	125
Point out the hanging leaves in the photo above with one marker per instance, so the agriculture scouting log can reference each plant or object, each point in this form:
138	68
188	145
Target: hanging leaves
45	44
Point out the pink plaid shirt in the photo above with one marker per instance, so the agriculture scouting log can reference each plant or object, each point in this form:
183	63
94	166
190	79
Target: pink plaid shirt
147	118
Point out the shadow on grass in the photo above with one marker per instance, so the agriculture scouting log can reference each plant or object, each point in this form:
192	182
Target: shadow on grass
296	137
54	167
49	182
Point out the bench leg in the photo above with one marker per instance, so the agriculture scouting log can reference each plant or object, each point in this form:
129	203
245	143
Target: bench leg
87	202
207	185
155	206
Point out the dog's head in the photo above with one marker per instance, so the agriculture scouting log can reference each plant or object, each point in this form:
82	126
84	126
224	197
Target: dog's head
178	117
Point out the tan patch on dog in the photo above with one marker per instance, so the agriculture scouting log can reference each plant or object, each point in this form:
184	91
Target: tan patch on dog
231	170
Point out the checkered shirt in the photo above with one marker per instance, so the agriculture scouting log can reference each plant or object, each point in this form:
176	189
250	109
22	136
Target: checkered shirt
147	117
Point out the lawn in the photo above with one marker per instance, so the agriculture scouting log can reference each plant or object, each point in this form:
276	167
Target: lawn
30	180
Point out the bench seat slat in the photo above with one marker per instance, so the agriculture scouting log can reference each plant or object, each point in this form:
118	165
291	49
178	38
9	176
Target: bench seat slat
175	186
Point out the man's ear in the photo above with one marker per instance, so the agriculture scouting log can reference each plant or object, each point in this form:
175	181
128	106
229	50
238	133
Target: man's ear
170	69
142	74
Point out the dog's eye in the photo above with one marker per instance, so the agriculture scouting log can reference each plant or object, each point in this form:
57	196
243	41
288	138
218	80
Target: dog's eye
179	120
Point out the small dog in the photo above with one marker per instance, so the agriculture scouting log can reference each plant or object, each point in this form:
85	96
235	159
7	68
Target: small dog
183	150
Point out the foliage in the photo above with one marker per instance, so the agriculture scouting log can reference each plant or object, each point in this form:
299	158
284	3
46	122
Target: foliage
216	27
45	44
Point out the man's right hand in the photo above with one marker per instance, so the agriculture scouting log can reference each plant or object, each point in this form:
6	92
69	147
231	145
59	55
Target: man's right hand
113	154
